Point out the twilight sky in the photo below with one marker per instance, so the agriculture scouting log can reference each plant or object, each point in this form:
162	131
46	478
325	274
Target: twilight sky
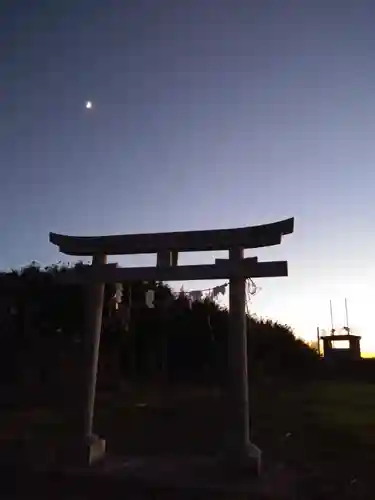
207	114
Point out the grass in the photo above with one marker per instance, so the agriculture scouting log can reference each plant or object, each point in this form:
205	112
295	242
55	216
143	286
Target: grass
329	435
349	406
322	433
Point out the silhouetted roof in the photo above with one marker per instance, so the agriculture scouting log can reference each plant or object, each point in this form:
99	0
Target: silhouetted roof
184	241
340	337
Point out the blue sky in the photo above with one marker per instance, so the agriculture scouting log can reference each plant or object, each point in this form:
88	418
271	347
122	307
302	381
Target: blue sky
207	114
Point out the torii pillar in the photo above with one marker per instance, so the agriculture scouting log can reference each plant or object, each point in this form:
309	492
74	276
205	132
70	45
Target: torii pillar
239	447
93	446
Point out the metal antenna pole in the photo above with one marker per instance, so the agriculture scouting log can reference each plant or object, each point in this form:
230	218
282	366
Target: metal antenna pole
346	316
331	312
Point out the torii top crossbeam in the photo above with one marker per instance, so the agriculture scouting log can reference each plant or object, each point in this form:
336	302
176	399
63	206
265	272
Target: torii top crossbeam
181	241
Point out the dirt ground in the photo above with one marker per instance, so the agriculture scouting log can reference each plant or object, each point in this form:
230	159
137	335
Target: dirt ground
318	440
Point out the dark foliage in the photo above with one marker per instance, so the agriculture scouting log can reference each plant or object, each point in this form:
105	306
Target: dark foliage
41	327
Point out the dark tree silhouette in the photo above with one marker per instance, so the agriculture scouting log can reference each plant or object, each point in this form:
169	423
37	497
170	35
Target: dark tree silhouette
42	322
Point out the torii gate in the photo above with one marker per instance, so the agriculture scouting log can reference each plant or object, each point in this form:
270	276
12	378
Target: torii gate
167	247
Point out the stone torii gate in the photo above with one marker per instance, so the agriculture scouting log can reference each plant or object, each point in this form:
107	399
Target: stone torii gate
167	246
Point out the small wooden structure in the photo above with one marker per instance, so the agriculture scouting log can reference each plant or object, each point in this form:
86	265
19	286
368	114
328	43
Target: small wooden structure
337	354
167	246
331	351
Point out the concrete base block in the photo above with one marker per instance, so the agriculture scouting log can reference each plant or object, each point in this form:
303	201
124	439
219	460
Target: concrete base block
96	450
83	453
244	461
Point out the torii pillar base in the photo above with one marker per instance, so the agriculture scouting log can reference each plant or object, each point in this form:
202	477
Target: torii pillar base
246	461
94	450
82	453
